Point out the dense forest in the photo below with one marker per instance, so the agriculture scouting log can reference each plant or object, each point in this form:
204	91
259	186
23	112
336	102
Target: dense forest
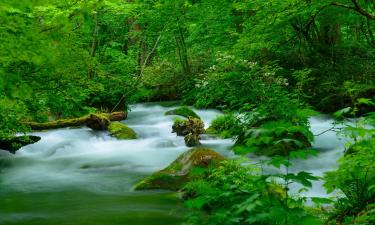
268	65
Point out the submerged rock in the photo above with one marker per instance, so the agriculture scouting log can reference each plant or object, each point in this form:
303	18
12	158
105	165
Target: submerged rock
121	131
192	164
15	143
183	111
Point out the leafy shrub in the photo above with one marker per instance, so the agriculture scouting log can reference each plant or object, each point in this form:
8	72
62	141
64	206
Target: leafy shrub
274	138
235	193
226	126
355	177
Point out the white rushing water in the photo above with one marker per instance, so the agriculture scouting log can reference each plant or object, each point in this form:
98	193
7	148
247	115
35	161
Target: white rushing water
330	147
94	161
82	158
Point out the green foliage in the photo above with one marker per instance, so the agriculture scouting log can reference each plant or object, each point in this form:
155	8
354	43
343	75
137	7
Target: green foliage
265	60
238	194
355	177
226	126
11	113
274	138
183	111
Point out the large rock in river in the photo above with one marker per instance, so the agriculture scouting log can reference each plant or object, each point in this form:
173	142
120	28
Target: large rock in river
121	131
15	143
190	165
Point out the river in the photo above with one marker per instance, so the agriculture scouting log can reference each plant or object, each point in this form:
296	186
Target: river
85	177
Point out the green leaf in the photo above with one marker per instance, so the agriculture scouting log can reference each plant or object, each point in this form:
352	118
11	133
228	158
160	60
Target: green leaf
340	114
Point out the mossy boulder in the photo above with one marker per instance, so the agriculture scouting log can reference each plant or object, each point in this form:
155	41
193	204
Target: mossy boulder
189	126
183	111
193	164
13	144
121	131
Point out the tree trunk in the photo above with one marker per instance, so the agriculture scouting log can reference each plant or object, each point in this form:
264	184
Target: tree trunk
182	50
94	44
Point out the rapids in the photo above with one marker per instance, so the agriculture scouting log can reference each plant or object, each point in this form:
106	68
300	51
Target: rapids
85	177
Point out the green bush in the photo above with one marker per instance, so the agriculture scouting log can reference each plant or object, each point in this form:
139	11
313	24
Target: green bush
226	126
235	194
274	138
355	178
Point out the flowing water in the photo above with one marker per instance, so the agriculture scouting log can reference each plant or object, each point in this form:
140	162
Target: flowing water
83	177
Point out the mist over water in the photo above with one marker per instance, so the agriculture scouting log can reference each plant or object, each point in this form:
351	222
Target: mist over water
85	177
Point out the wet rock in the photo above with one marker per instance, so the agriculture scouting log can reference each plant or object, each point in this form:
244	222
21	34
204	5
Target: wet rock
15	143
191	165
189	126
121	131
192	140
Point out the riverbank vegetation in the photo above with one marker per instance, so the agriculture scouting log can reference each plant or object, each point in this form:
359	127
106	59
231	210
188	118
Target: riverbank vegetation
268	64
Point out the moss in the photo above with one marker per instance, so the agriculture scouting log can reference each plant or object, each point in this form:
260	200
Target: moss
192	140
183	111
99	121
96	120
189	126
15	143
191	165
121	131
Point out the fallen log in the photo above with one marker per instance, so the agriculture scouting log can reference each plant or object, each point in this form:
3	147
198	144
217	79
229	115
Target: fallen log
96	121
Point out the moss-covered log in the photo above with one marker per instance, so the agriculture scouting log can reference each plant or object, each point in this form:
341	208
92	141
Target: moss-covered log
96	121
15	143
